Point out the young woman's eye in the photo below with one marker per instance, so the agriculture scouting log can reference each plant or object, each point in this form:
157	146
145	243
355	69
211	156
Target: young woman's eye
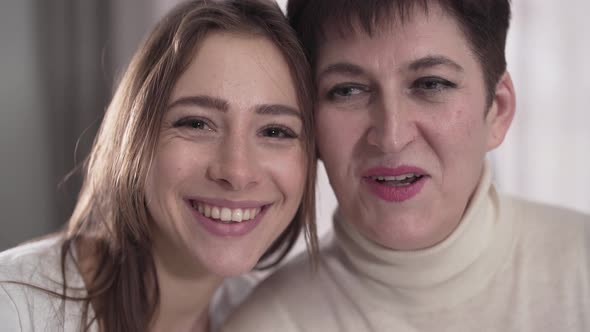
432	84
193	123
346	91
278	132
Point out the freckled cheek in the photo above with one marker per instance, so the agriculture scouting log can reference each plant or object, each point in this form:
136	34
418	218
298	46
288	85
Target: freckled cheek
286	170
175	164
458	126
472	132
457	142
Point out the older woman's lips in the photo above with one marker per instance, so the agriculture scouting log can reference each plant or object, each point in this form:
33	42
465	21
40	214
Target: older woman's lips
395	184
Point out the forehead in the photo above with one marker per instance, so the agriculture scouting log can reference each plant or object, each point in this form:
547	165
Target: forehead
420	32
242	68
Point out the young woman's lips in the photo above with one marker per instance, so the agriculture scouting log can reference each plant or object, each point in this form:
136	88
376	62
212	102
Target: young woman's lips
395	184
217	227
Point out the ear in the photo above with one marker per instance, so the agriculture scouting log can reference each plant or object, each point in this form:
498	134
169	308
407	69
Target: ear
501	112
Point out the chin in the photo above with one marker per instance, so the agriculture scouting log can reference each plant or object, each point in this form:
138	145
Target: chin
224	267
405	234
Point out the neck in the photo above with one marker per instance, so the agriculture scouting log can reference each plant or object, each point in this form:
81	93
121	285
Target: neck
186	289
445	274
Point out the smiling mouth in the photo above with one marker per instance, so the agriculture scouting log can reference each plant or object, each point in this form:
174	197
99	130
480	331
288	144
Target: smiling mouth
226	215
397	181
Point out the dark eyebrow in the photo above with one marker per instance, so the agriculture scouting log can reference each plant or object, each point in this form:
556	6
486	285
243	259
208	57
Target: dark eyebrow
342	68
277	109
202	101
433	61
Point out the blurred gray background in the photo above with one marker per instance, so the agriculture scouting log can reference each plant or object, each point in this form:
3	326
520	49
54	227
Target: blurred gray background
59	60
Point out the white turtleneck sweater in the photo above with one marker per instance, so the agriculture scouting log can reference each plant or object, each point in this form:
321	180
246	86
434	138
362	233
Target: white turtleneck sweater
510	266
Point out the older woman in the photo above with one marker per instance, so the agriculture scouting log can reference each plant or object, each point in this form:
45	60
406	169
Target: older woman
204	166
411	97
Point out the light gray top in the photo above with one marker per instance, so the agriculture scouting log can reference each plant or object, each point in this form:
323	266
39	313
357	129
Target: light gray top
24	308
27	309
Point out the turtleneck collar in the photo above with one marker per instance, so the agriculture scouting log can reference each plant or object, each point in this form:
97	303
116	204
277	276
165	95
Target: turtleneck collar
447	273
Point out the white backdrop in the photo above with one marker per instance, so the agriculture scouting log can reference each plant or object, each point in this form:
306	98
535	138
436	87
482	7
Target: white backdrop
546	156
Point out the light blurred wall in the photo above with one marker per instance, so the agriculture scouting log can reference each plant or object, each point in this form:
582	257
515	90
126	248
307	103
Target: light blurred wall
546	156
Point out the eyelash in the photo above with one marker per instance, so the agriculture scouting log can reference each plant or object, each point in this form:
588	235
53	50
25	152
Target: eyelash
424	85
278	131
344	91
282	131
193	123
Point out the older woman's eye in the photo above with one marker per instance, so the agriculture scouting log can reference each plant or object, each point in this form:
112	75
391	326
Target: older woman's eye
432	84
276	131
346	91
194	123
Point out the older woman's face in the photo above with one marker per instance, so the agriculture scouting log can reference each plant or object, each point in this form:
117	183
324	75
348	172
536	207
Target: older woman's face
401	128
229	171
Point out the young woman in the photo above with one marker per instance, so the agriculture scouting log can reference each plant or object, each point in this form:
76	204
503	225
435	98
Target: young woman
203	167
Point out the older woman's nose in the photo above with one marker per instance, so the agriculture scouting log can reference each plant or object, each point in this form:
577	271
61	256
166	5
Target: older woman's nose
234	167
392	126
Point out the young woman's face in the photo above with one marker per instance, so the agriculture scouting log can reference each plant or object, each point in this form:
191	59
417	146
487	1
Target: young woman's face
229	169
402	127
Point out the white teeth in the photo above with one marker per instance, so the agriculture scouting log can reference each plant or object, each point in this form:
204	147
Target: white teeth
215	213
226	214
394	178
237	215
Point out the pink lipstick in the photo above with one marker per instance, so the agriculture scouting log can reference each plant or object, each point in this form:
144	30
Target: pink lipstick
395	184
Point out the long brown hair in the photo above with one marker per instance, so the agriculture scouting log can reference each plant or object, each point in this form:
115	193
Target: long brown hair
111	210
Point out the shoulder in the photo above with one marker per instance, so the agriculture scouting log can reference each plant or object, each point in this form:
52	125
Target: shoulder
550	232
9	314
24	268
301	280
26	262
550	264
545	219
293	294
232	292
267	307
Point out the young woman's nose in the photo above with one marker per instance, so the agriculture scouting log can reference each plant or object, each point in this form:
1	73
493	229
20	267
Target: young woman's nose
234	167
392	125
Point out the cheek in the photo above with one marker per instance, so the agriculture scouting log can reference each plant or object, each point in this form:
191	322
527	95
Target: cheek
459	142
285	171
175	164
294	172
337	133
458	132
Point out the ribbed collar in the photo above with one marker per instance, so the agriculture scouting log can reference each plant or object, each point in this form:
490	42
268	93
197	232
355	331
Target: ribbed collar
443	275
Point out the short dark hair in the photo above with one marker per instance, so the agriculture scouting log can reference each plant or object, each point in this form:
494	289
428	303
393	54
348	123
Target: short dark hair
484	23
